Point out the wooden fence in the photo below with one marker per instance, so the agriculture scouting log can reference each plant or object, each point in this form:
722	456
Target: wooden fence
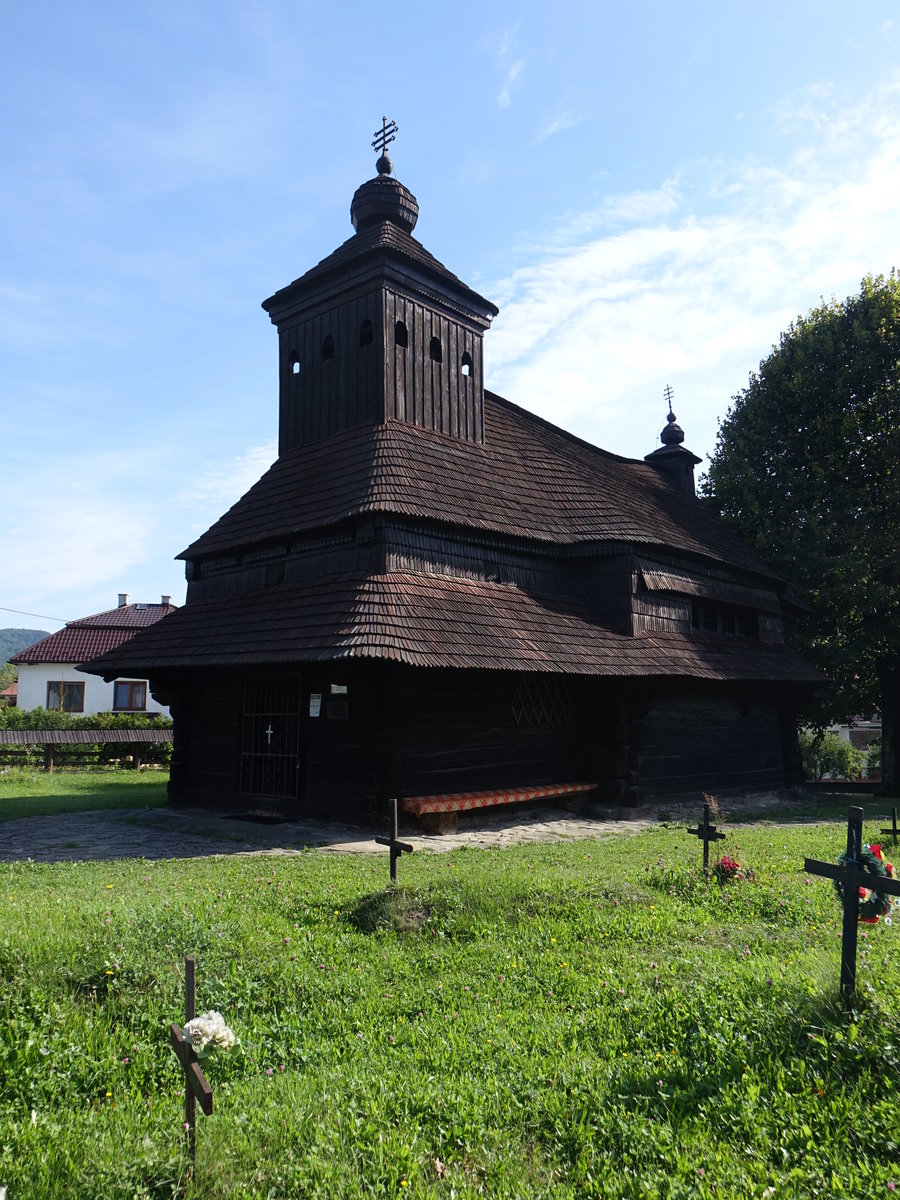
79	747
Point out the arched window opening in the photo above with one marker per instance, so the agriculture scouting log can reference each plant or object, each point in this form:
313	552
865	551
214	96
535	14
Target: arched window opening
295	365
401	337
366	333
437	354
328	348
467	364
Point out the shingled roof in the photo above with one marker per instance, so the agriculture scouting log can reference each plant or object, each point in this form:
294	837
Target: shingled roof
435	621
530	479
376	244
93	635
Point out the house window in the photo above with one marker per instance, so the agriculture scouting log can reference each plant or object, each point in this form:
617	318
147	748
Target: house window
437	354
401	337
129	695
63	696
467	364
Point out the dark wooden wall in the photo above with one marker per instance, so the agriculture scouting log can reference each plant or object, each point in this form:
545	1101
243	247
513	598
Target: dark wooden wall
434	395
456	731
330	394
403	731
381	380
710	738
206	710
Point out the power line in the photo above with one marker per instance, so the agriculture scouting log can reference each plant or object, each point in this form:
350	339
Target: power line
40	616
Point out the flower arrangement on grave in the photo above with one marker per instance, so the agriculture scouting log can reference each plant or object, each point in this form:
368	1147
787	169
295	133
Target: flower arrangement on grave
727	869
872	903
208	1034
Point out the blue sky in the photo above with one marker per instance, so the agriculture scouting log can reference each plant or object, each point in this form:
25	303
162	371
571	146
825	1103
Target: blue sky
650	192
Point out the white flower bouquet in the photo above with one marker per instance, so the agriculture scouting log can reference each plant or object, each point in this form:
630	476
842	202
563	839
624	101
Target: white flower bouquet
208	1033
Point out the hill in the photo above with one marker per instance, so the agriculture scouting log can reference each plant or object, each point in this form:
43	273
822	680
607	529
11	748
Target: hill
14	640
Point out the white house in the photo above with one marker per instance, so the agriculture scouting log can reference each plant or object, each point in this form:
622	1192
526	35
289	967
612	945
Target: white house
48	670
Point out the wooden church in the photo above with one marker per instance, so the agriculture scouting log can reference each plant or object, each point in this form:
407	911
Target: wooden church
435	595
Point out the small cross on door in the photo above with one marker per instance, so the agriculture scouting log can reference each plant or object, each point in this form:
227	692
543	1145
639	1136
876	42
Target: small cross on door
269	733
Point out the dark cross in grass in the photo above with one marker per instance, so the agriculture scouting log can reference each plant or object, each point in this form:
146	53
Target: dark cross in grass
892	828
196	1086
707	833
852	875
396	847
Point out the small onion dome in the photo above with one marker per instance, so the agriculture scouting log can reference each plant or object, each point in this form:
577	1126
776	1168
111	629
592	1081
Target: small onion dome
672	435
384	199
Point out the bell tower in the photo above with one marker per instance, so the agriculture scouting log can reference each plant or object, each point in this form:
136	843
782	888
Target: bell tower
673	459
380	330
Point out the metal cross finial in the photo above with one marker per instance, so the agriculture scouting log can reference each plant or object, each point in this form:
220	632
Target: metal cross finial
668	393
385	135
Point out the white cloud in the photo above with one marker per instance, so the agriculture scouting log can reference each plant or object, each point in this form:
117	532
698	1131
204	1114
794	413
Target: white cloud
76	538
216	486
511	64
74	530
649	288
563	119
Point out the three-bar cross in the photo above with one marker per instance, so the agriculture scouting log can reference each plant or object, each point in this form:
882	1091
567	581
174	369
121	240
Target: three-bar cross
196	1086
707	833
385	135
396	847
852	875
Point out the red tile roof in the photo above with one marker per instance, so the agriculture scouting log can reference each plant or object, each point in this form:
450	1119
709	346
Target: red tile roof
435	621
90	636
530	479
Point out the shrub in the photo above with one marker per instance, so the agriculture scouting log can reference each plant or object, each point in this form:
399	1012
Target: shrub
827	754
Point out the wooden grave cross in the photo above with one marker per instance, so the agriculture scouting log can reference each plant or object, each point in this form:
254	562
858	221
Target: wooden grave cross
892	828
707	833
396	847
852	875
196	1085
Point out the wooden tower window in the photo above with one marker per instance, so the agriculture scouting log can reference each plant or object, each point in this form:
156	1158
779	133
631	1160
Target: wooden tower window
467	364
295	365
437	354
401	337
328	348
366	333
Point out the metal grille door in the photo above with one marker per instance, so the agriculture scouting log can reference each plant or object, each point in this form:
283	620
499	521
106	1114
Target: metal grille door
270	746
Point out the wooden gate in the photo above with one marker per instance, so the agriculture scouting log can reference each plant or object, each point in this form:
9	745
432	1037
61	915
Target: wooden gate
270	739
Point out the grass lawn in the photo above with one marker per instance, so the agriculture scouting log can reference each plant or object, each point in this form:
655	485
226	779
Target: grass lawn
575	1020
31	792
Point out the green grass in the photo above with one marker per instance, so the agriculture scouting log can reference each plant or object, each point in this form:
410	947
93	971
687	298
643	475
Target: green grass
31	792
576	1020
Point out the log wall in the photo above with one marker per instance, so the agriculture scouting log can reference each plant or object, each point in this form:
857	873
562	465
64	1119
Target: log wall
713	739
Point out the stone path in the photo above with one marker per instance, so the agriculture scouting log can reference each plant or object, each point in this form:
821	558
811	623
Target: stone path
192	833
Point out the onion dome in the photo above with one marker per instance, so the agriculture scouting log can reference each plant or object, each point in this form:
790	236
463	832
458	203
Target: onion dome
384	199
673	434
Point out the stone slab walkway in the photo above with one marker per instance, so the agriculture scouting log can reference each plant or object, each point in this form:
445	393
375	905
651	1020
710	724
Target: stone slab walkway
193	833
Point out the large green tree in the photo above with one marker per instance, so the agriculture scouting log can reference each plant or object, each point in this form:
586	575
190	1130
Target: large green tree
807	468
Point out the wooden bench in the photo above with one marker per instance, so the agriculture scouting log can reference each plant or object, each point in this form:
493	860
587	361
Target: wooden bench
438	814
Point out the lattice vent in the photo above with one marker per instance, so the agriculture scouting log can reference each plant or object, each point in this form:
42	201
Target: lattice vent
541	702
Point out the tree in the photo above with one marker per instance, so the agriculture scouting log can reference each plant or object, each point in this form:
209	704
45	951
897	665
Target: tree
8	675
807	468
